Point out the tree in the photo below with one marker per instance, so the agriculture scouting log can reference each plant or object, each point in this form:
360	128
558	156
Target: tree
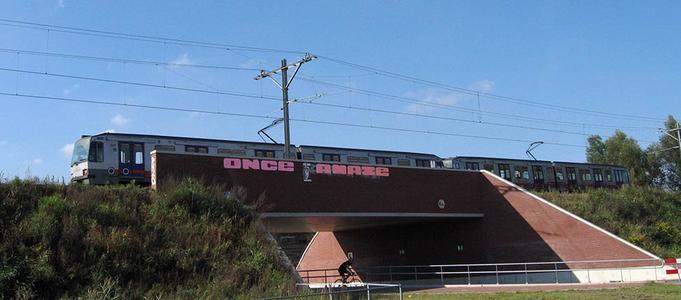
620	149
668	157
595	152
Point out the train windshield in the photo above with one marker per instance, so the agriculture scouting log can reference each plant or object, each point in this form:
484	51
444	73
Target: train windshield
80	150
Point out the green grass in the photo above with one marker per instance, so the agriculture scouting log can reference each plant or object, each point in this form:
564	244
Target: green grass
648	217
106	242
648	291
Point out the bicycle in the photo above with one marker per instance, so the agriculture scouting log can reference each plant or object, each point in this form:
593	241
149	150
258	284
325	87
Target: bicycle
350	279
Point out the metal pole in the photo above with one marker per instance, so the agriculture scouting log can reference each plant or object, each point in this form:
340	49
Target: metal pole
401	296
442	278
678	139
368	292
284	94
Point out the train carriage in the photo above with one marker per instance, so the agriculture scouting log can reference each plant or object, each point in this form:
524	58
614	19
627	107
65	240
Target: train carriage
545	175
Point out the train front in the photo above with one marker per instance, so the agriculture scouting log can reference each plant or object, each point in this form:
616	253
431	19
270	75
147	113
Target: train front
79	160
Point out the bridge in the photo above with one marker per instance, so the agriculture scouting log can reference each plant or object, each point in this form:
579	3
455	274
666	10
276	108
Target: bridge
403	215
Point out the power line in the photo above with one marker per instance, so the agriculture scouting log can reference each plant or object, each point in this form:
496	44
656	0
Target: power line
122	60
179	109
416	101
137	37
217	92
489	95
270	98
149	38
156	63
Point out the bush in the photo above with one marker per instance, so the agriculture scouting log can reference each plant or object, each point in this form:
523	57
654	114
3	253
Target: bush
95	242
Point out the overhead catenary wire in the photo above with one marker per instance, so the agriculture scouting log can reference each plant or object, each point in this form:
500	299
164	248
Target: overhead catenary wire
137	37
351	89
411	100
245	115
276	99
122	60
224	46
488	95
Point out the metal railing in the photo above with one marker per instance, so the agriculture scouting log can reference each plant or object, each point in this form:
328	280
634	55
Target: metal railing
555	272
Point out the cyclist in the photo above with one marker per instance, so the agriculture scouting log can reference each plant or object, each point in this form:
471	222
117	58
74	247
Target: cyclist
345	269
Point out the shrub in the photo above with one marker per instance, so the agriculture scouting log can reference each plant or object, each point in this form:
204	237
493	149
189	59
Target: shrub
122	242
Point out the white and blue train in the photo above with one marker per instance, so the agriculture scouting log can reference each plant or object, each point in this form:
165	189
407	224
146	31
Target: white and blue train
111	158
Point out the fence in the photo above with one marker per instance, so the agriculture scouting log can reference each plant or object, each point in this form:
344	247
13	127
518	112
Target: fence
332	291
557	272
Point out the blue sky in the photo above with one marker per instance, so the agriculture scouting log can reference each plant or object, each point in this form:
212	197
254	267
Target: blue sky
614	56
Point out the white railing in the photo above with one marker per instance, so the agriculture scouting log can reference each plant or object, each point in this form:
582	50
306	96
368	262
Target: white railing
556	272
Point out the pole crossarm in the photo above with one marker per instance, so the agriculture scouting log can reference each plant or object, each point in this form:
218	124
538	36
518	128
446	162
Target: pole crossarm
264	74
284	85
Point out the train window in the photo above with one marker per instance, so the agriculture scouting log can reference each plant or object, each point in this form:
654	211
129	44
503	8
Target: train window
472	166
264	153
358	159
571	175
384	160
403	162
457	166
598	175
138	149
489	167
626	176
559	174
330	157
125	153
585	175
308	156
505	171
164	147
537	173
521	172
423	163
195	149
608	175
96	152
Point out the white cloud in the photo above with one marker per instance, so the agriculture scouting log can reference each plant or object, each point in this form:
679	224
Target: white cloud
67	91
484	86
431	99
119	120
253	64
183	59
67	150
36	161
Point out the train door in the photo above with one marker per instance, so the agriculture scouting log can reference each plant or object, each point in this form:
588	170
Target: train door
571	176
131	160
538	175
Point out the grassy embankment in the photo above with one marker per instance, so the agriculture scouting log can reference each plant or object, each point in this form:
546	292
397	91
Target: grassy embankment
648	217
123	242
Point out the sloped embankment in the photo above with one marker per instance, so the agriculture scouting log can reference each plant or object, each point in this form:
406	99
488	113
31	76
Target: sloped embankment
190	241
647	217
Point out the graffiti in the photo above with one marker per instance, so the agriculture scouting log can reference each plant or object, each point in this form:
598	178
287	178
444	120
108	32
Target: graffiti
308	168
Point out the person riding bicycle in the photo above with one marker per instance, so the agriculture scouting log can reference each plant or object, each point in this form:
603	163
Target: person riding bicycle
345	269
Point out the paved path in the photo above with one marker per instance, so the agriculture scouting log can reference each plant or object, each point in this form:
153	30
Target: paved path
520	288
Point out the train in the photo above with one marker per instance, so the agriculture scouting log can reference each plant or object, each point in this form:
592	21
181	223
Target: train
113	158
